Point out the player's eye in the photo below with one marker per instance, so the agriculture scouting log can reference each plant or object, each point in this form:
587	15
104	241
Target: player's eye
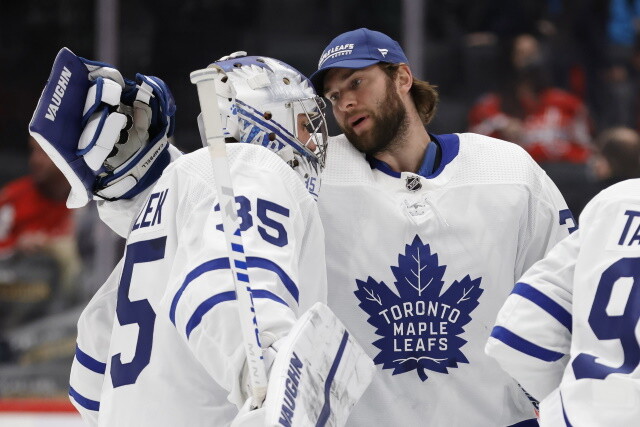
355	83
332	97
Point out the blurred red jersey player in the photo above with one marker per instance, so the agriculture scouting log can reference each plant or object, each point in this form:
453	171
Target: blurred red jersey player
32	208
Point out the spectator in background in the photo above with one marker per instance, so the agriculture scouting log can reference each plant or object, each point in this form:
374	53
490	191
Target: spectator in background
617	156
550	123
618	87
38	258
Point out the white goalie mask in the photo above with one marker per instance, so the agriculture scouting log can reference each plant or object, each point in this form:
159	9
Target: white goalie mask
267	102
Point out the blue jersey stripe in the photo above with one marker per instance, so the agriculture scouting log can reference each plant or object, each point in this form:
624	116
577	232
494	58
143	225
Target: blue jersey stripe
208	304
223	263
544	302
89	404
564	414
214	264
89	362
265	264
261	293
527	347
526	423
326	408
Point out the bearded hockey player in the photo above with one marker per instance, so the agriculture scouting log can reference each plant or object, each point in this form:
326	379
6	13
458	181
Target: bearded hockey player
425	236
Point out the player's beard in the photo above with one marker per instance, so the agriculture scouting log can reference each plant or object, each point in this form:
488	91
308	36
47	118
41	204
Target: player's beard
388	129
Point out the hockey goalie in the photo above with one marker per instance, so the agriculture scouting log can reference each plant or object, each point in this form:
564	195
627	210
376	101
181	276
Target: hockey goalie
160	344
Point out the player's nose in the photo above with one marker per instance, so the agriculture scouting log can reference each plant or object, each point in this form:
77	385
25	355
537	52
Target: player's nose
346	102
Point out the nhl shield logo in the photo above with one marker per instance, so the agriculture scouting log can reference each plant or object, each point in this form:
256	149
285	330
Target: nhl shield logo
413	183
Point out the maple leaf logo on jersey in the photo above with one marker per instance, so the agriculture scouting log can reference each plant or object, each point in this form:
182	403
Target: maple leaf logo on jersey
420	327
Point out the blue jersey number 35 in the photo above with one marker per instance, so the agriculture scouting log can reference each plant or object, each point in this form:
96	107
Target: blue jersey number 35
270	229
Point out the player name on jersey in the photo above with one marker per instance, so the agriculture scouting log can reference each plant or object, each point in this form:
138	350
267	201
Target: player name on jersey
151	214
630	235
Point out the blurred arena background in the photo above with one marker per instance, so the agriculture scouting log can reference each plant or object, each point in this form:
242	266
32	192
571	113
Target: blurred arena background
560	77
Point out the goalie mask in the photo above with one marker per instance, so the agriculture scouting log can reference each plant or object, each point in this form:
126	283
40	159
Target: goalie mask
267	102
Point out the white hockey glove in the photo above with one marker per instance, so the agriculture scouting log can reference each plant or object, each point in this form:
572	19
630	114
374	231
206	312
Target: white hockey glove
108	136
319	374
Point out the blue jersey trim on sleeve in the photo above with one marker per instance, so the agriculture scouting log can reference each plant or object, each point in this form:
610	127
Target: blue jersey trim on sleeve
564	413
526	423
261	293
209	303
223	263
544	302
265	264
326	408
89	404
89	362
527	347
211	265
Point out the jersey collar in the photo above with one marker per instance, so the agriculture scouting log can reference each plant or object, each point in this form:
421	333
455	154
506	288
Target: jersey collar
446	147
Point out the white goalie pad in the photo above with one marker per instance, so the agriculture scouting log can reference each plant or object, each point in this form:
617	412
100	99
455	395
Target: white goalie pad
319	374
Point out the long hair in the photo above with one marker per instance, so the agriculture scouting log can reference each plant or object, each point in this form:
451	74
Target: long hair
424	95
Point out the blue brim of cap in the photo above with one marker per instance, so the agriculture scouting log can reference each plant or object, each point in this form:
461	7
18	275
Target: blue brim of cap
317	78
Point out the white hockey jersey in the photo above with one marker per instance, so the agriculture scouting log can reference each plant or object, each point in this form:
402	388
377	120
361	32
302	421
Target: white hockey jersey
172	352
569	331
419	266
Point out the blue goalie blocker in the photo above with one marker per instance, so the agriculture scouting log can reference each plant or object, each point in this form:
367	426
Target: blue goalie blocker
57	122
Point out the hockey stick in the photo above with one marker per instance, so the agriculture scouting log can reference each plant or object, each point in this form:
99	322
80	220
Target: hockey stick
205	80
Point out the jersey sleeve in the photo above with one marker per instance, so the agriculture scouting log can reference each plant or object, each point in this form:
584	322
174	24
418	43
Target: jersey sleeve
532	334
279	234
92	349
549	220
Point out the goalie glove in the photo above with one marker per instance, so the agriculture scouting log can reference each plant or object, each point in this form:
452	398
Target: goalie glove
108	136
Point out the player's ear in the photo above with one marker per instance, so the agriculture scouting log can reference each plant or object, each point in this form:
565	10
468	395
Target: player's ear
404	78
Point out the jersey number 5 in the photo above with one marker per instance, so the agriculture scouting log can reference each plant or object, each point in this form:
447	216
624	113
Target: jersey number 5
136	312
620	325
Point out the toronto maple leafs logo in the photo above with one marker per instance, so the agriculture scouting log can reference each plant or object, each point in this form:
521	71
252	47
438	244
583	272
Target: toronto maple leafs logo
420	326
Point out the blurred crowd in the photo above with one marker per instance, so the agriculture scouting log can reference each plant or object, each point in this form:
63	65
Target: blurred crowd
52	260
561	78
582	151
